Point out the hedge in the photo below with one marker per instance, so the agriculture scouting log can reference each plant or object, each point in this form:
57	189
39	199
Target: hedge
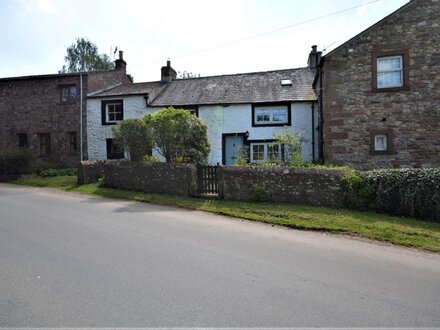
402	192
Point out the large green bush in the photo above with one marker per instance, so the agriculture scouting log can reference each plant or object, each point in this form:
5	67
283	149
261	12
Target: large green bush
51	172
16	161
407	192
359	195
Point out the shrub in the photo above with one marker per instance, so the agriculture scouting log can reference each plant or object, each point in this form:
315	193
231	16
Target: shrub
51	172
292	146
134	137
407	192
358	194
40	167
177	134
260	193
16	161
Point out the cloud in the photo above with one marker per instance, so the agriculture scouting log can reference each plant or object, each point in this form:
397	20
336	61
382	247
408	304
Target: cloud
47	6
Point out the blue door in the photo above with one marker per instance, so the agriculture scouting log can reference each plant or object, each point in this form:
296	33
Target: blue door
233	147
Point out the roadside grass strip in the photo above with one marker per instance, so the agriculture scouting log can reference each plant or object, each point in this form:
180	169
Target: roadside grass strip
381	227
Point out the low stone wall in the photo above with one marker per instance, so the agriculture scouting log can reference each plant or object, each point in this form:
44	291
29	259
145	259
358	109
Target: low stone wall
283	184
165	178
91	171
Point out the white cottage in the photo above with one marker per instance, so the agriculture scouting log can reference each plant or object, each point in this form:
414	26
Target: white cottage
240	110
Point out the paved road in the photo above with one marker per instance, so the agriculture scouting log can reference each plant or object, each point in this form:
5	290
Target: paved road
70	260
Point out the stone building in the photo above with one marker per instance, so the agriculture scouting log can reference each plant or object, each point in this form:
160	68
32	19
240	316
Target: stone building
48	113
379	93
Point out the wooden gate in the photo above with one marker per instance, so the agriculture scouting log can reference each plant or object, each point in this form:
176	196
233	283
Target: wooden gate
207	178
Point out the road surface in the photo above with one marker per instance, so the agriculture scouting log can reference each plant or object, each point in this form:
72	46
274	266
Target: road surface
69	260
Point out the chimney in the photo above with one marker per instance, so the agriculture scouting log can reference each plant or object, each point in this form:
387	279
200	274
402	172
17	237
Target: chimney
314	58
120	64
168	73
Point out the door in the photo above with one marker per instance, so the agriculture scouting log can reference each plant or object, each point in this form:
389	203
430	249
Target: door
233	147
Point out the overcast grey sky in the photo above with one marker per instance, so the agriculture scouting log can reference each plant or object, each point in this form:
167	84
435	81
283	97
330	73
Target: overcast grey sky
35	33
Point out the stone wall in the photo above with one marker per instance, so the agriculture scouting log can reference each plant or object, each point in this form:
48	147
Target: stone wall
90	172
165	178
354	110
283	184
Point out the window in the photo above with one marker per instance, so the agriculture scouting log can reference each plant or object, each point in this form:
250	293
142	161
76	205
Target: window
44	144
265	151
73	146
113	151
68	93
112	112
23	140
381	141
390	72
271	115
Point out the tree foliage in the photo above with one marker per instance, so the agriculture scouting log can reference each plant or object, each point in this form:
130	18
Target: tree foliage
134	137
292	146
83	56
179	136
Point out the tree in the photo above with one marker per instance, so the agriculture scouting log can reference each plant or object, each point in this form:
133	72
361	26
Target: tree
134	137
83	56
178	135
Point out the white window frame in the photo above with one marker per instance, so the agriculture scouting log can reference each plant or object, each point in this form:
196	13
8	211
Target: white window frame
265	151
271	110
389	71
107	112
381	146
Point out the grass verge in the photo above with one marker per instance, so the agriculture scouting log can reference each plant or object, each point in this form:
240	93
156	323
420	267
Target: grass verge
400	231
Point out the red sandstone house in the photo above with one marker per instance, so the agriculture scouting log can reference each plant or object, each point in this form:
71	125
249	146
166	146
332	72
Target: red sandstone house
47	113
379	93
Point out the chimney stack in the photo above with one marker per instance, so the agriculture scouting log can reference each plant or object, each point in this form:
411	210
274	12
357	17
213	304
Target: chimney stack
168	73
120	64
314	58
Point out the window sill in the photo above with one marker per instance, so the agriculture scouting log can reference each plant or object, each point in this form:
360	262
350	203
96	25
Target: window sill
271	124
390	89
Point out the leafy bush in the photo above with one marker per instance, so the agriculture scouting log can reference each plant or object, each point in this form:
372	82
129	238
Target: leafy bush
292	146
177	134
134	137
260	193
51	172
40	167
16	161
358	193
407	192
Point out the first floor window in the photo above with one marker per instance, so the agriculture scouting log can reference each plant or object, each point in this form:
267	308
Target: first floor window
112	112
265	152
23	140
44	144
73	146
68	93
271	115
389	72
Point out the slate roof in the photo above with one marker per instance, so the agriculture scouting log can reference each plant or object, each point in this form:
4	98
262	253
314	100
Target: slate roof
131	89
256	87
239	88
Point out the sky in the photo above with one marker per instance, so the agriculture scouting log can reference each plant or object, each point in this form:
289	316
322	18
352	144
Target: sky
206	37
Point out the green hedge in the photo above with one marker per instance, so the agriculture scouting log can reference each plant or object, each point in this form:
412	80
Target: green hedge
407	192
402	192
16	161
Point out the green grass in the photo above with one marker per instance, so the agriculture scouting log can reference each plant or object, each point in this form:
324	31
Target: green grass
400	231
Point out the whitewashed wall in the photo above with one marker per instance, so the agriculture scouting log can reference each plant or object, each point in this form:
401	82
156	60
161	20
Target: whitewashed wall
220	120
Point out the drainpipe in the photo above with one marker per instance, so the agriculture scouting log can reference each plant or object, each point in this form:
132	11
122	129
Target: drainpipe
81	115
313	132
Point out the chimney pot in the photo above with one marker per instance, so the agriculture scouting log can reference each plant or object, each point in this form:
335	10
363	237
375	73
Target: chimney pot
314	48
314	57
121	55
